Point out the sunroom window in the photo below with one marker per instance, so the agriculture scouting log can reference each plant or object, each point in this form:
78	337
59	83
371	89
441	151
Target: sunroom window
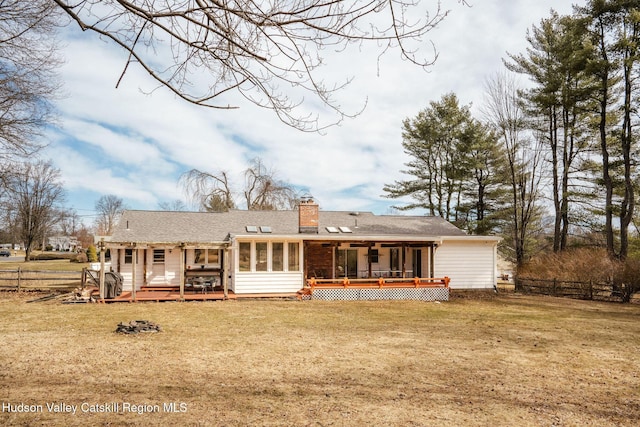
277	256
244	255
268	256
261	256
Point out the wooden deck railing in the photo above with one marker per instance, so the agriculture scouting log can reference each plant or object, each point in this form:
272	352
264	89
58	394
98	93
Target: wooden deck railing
380	282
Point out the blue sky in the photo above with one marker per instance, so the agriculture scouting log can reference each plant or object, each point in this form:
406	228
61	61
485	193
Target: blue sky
136	145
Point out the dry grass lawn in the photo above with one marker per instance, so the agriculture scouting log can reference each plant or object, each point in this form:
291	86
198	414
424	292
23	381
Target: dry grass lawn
510	360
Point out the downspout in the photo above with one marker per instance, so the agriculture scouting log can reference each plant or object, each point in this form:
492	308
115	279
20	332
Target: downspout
495	267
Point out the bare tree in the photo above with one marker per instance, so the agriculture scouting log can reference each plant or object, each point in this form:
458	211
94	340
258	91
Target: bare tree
109	209
210	191
262	189
70	222
504	111
174	205
261	49
28	83
33	193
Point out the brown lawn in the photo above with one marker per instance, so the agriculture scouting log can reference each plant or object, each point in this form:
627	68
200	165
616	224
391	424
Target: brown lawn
510	360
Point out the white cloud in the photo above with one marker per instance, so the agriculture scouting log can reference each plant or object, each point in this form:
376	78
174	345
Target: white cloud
147	141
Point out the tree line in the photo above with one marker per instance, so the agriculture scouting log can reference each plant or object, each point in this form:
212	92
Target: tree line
556	156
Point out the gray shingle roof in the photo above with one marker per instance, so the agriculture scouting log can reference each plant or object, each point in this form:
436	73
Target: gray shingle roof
208	227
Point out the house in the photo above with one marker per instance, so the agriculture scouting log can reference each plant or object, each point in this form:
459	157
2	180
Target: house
63	243
253	253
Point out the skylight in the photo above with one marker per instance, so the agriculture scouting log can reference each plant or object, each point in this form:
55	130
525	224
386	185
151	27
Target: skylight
265	229
332	230
346	230
252	229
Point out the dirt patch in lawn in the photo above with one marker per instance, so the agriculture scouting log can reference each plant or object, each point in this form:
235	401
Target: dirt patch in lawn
505	360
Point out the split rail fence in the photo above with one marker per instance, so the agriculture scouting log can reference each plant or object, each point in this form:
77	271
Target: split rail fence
44	280
565	288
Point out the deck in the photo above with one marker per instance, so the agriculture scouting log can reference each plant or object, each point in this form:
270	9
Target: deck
427	289
381	288
169	294
172	293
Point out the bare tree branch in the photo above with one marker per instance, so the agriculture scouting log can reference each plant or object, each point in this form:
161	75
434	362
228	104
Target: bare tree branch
211	192
262	189
33	193
262	49
28	83
109	209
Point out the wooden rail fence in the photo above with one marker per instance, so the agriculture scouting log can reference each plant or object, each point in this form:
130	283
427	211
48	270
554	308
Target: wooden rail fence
572	289
21	279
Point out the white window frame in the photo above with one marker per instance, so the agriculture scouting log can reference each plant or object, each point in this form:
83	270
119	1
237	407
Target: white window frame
155	260
253	262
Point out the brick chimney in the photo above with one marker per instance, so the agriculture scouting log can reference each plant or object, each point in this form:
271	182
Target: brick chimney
308	216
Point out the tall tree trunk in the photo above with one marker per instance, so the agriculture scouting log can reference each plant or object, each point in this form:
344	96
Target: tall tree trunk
607	181
553	142
628	201
567	150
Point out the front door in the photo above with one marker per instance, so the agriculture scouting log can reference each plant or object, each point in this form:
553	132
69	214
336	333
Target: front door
347	263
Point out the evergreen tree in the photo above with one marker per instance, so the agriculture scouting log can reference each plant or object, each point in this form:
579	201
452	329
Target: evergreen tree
452	166
92	254
557	106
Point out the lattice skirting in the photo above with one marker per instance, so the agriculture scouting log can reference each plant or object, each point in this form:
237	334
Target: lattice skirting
420	294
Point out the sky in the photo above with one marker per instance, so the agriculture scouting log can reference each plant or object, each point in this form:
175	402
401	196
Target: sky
135	145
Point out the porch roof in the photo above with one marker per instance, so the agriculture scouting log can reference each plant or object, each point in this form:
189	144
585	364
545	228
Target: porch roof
218	228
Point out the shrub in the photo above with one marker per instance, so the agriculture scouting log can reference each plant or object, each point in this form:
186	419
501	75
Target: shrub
50	256
92	254
81	258
580	265
629	275
584	265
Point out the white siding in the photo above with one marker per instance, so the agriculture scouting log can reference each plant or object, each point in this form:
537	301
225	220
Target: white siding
254	283
167	273
266	282
172	267
469	264
126	270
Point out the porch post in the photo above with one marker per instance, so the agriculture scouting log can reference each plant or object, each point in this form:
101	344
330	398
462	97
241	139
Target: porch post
402	260
226	262
183	254
334	250
304	265
369	259
134	267
101	280
432	267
